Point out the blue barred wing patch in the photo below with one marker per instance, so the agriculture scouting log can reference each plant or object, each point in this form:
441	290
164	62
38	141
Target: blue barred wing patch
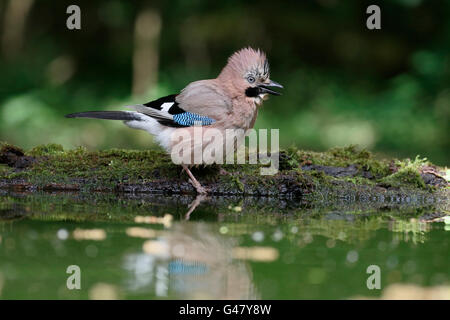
190	119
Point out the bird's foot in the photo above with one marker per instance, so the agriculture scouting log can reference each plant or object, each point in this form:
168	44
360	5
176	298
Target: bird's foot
198	187
194	182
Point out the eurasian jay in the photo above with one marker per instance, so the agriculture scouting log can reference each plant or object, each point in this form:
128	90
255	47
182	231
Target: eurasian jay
229	101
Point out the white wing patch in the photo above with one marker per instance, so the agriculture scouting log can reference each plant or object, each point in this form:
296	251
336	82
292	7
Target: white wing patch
161	114
162	133
165	107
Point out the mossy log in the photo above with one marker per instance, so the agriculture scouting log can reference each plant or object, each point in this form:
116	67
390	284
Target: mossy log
339	172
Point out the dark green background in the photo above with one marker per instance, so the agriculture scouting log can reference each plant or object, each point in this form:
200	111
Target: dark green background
386	90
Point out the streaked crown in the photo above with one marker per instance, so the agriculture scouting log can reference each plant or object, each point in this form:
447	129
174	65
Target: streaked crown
247	62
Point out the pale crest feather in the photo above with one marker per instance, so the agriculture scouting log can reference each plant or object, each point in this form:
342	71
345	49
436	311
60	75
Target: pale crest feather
244	60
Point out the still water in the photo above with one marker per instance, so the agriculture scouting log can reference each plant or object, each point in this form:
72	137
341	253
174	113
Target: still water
142	247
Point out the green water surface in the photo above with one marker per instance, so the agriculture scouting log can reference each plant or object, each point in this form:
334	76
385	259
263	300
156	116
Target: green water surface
230	248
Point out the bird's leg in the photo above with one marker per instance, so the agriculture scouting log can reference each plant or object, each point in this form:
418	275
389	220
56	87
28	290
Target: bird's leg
194	182
198	199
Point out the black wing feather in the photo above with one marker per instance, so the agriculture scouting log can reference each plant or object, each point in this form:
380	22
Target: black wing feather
156	104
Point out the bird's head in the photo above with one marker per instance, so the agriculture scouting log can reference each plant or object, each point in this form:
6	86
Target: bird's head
248	72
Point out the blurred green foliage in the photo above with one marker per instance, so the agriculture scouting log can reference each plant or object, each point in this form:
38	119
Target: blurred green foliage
386	90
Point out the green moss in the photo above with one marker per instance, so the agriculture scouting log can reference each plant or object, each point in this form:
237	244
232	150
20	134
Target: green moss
359	180
4	169
319	178
407	174
303	178
319	175
238	183
288	159
343	157
95	169
106	169
47	149
416	164
405	177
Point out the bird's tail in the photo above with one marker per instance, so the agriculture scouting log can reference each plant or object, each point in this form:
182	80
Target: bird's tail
109	115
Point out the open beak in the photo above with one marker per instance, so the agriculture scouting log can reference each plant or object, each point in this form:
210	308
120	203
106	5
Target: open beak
265	88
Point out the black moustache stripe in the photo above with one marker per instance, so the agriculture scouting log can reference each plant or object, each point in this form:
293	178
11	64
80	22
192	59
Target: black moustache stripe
252	92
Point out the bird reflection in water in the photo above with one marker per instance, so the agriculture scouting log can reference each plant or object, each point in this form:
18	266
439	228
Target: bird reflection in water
189	262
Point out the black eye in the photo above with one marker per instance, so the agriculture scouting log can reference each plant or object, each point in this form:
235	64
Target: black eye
251	79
